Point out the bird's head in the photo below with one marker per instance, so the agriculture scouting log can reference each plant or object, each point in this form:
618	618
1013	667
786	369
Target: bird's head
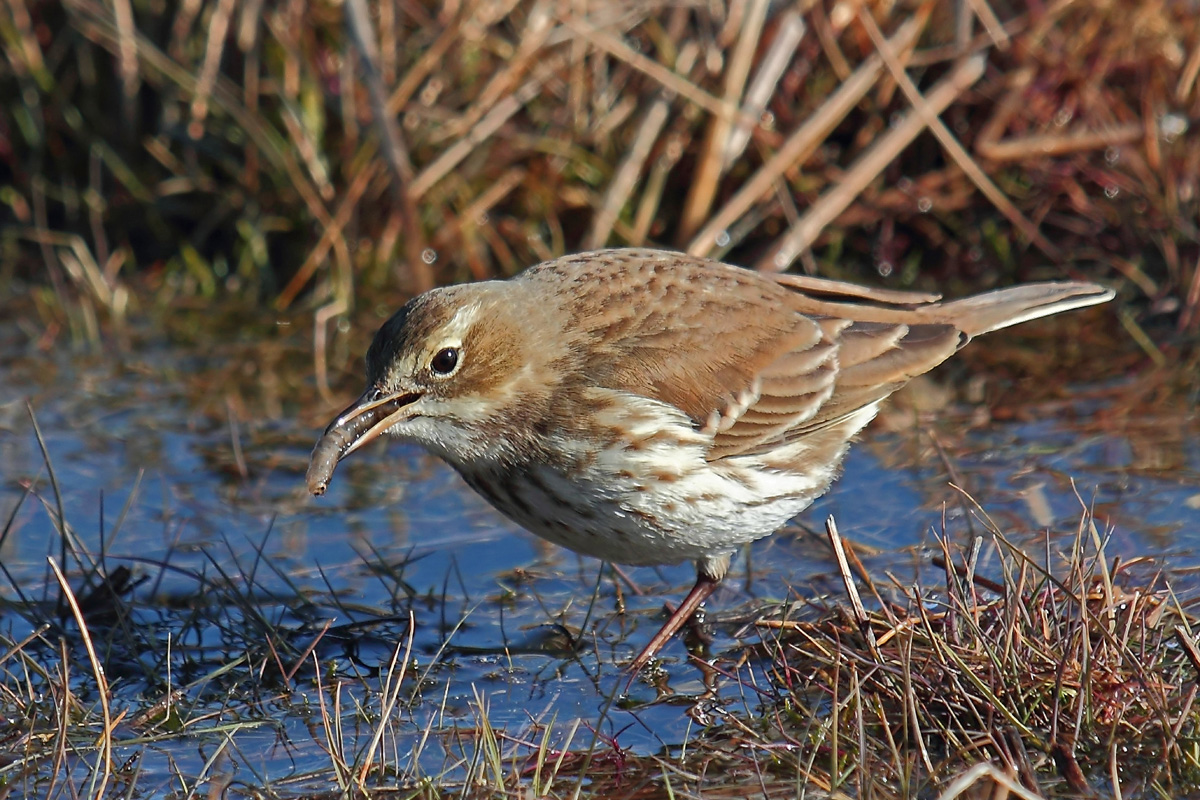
447	371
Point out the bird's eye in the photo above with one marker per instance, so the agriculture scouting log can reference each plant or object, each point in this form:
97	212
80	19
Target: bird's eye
444	361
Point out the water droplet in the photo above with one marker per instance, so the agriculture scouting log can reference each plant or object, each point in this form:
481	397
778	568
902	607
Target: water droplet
885	268
1112	155
975	253
1173	126
924	205
1111	191
1063	117
429	255
904	184
482	219
783	259
722	238
343	325
766	121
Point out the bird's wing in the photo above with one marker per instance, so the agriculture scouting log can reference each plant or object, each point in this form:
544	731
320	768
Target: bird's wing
870	360
709	339
758	361
728	347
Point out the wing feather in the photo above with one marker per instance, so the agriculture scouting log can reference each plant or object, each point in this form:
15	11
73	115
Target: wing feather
762	361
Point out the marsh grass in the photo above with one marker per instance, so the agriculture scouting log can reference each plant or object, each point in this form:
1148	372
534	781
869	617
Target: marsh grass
1073	674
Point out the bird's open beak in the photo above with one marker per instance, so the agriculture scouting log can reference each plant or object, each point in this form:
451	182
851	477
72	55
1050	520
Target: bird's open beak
363	421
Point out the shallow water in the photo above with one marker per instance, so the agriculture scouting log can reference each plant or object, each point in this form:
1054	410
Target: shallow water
181	456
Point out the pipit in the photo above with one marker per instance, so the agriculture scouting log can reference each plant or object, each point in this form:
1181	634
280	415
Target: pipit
648	407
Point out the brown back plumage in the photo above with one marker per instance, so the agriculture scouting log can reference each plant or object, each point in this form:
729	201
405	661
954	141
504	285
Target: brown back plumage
760	360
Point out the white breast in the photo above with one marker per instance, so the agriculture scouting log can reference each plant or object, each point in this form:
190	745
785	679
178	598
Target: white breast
650	497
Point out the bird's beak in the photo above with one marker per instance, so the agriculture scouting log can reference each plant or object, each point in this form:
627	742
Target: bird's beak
363	421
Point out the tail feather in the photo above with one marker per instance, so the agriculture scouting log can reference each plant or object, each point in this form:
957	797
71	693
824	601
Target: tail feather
991	311
979	314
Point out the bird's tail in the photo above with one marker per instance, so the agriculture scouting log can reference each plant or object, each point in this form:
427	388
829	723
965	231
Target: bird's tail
991	311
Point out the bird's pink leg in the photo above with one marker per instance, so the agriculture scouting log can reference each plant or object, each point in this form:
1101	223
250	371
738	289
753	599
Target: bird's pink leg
704	587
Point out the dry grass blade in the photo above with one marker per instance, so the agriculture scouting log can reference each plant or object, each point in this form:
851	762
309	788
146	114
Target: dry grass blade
856	604
1067	667
1190	318
218	27
95	24
869	165
1020	148
391	696
765	82
956	151
127	61
1003	784
104	767
275	104
991	23
504	110
668	79
627	173
800	144
393	143
330	236
394	148
703	185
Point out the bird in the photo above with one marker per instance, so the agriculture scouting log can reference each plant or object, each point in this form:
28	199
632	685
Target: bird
648	407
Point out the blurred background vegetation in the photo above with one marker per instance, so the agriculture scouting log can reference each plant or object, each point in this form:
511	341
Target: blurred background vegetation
315	153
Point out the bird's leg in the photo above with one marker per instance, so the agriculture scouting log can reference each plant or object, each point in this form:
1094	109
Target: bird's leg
705	586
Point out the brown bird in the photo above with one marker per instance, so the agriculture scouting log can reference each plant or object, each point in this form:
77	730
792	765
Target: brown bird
648	407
